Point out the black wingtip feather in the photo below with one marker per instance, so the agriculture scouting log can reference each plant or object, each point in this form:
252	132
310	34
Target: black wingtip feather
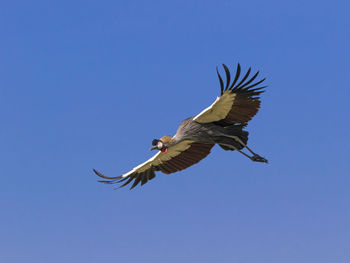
238	72
136	182
249	81
127	182
228	76
255	84
242	80
106	177
122	180
221	81
243	86
105	182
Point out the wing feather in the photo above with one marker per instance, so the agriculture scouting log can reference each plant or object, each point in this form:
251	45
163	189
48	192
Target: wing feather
144	179
137	180
238	72
244	78
237	104
220	80
178	157
228	76
128	181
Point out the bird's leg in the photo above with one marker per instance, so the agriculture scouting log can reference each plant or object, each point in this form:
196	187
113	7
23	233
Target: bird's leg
255	157
238	150
237	139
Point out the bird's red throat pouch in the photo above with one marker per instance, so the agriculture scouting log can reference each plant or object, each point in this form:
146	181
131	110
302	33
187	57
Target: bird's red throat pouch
164	150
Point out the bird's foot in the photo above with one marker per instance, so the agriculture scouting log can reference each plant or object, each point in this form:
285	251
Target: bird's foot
258	158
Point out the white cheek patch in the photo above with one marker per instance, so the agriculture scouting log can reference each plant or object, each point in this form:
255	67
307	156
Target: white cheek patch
159	145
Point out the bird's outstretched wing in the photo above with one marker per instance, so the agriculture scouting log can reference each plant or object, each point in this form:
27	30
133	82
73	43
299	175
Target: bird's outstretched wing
178	157
238	103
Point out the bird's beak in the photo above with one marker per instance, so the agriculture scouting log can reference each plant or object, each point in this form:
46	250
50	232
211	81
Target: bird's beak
153	148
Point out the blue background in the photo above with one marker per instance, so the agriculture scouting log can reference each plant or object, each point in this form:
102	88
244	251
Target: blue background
89	84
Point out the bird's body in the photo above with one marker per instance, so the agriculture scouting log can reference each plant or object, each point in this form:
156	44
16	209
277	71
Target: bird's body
209	133
192	130
222	123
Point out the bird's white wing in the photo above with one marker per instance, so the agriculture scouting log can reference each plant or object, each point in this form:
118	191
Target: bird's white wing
178	157
218	110
238	103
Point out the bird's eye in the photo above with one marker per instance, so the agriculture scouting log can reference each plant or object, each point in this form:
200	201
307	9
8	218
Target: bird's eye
160	145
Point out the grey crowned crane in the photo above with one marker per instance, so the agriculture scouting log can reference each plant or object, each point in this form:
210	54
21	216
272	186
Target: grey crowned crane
221	123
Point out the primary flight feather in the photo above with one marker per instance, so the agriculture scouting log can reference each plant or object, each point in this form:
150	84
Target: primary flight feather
221	123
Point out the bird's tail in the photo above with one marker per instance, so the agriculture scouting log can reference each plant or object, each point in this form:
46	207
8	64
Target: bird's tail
232	130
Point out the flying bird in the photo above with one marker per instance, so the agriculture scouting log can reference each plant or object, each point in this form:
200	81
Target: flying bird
221	123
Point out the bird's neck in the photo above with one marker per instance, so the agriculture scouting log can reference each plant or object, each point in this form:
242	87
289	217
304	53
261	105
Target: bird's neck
167	140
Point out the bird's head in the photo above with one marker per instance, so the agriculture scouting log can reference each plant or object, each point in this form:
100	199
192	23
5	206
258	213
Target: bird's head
162	144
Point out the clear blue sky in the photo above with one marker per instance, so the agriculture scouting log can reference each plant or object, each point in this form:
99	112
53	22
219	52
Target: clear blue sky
89	84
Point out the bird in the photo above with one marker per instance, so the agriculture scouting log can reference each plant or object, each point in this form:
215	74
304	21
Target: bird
222	123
